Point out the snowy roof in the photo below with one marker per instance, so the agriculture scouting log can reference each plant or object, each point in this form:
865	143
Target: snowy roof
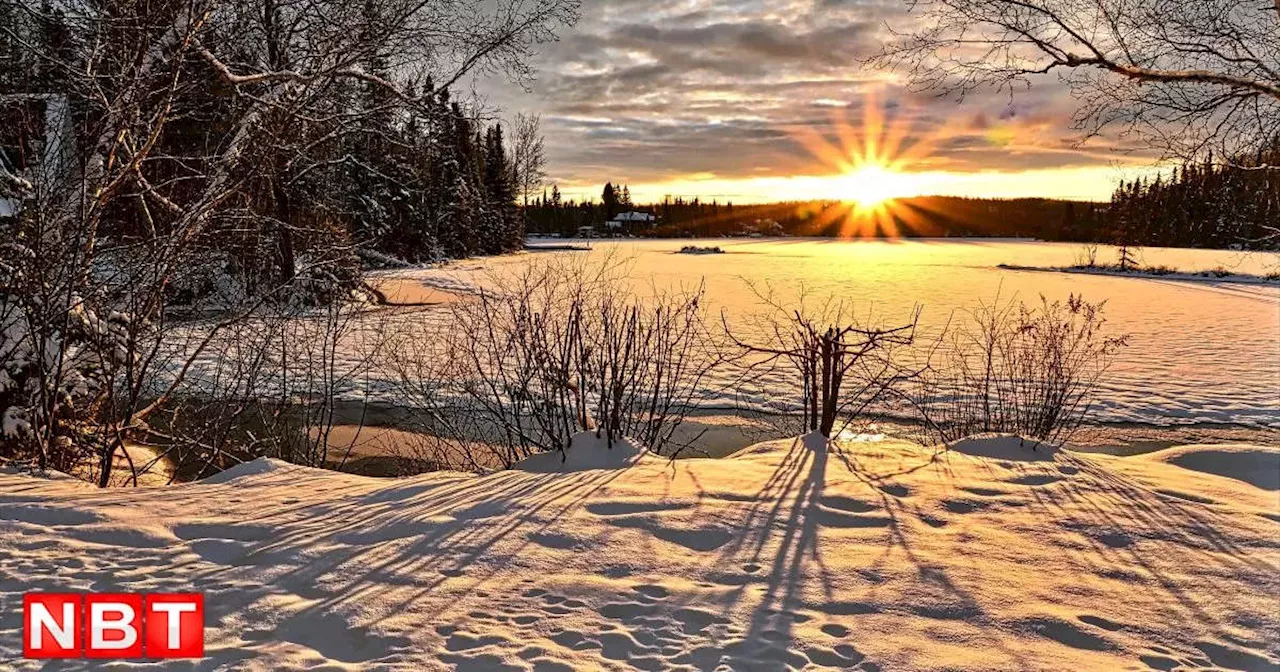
633	217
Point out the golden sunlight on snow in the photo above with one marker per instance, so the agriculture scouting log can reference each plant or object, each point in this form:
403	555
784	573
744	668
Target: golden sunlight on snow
992	555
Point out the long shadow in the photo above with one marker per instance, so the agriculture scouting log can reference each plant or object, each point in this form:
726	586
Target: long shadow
367	576
339	558
773	617
796	491
782	529
785	502
1118	512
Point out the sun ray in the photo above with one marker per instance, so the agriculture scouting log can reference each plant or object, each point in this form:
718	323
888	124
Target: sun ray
873	158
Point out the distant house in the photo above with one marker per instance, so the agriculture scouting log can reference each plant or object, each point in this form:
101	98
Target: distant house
628	220
762	227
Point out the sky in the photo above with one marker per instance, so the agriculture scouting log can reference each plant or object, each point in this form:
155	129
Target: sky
770	100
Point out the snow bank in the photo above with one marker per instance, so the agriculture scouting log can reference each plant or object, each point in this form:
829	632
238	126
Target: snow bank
796	554
262	465
1256	465
1216	276
812	442
586	451
35	473
1004	447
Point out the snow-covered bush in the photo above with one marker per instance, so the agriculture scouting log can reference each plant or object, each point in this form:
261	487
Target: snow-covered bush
210	283
325	276
57	353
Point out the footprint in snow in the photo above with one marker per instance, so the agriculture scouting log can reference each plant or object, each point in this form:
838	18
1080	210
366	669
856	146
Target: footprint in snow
1236	658
650	590
847	504
1035	479
625	508
1100	622
962	506
835	630
932	521
984	492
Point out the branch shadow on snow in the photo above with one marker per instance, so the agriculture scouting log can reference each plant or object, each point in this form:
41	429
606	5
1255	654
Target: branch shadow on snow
348	552
781	533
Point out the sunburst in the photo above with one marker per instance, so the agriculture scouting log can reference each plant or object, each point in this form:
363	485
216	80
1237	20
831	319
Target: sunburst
874	159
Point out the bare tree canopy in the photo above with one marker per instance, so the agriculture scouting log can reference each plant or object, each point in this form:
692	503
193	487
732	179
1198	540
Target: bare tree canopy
1188	77
529	155
223	158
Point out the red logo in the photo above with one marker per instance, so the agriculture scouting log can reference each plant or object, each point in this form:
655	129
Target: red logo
113	625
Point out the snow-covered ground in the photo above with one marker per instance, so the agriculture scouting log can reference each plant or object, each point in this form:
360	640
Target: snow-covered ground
1199	352
992	555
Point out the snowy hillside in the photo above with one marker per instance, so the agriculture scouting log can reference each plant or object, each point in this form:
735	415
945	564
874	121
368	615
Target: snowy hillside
993	555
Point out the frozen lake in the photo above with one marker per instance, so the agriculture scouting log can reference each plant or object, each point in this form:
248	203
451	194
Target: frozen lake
1199	351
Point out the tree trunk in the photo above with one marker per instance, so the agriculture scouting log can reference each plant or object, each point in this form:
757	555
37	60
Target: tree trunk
104	469
284	234
813	391
828	385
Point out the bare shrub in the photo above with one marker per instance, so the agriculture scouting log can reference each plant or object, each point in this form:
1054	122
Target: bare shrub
186	392
1010	368
1088	256
650	359
549	351
837	368
522	356
320	357
1126	256
448	425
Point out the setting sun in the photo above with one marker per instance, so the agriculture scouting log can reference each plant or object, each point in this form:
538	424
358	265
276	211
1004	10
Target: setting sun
870	185
872	158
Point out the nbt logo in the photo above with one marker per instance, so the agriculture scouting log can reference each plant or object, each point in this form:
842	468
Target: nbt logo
119	625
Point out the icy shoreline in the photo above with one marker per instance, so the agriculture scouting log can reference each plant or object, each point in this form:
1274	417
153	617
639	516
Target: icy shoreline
1211	276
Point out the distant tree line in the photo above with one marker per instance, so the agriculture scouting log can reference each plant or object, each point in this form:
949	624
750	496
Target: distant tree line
929	216
1205	204
551	213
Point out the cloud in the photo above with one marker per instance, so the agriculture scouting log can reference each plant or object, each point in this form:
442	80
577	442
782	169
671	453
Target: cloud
651	91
